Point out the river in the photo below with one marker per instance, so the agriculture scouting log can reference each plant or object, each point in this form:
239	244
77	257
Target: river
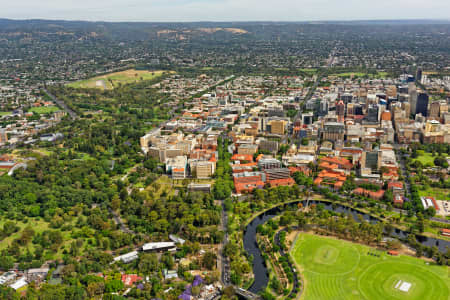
259	267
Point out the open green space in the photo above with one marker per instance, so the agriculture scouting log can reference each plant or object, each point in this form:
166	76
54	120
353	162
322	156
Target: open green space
308	70
336	269
379	74
163	185
427	158
4	113
436	193
44	109
112	80
39	226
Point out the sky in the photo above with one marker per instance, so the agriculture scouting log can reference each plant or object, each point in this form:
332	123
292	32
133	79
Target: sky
224	10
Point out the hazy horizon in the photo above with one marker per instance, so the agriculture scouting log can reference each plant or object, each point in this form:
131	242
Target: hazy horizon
226	10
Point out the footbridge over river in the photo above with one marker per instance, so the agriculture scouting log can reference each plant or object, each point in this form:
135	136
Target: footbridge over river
246	294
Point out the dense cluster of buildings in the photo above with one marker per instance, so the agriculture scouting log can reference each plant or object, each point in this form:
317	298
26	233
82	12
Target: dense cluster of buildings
20	119
346	127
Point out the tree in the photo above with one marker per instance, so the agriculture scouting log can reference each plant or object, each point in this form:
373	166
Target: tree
195	290
167	260
209	260
441	162
430	212
148	263
8	293
9	228
6	262
95	288
388	196
113	286
393	244
229	291
115	203
420	224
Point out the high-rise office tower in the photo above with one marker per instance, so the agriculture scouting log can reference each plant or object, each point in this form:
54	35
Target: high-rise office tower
323	107
340	110
372	113
422	104
419	74
412	91
434	109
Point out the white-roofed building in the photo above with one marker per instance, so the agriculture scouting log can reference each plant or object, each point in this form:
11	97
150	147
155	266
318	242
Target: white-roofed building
127	257
19	284
159	247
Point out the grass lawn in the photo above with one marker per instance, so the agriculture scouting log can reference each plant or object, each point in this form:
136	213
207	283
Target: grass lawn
44	109
4	113
424	158
336	269
161	185
427	158
361	74
110	81
348	74
38	226
436	193
307	70
382	74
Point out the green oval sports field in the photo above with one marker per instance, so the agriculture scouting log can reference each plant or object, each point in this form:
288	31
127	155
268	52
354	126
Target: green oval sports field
336	269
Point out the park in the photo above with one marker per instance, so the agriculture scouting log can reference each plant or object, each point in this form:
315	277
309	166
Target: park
337	269
112	80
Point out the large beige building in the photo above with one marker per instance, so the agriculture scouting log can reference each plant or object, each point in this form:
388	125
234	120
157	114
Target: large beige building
164	152
277	127
333	131
202	169
247	149
435	132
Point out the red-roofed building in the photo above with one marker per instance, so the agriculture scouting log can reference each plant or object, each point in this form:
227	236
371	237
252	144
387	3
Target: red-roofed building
331	178
338	185
318	181
327	166
248	187
398	201
178	173
342	163
302	169
371	194
281	182
391	175
429	202
242	158
396	187
239	168
445	232
247	183
130	279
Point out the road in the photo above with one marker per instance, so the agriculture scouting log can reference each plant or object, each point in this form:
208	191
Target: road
316	83
401	161
61	104
119	221
222	260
